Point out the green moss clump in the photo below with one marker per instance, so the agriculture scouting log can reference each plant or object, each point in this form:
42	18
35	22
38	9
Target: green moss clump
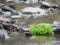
41	29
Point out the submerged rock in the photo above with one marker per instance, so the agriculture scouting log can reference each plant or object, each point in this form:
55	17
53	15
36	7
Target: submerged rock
14	34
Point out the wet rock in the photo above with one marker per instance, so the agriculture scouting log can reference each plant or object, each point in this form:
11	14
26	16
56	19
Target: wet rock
36	13
56	30
1	4
7	8
16	16
56	23
28	34
26	17
6	13
4	34
48	4
32	37
56	27
25	29
10	1
4	19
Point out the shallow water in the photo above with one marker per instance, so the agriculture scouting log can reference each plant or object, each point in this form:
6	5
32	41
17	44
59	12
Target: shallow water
39	40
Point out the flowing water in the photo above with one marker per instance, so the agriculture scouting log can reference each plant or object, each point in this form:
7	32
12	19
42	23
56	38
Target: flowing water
41	40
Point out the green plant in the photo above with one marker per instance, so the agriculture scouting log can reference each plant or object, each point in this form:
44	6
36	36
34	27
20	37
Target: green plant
41	29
